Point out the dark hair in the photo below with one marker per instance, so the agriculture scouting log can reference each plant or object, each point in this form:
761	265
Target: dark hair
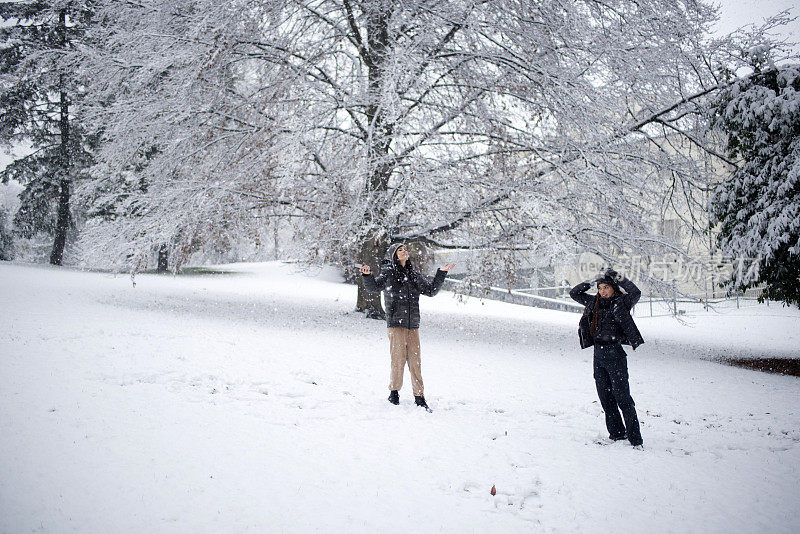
593	327
395	260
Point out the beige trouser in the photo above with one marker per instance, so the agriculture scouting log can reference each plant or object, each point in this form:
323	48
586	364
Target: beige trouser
404	346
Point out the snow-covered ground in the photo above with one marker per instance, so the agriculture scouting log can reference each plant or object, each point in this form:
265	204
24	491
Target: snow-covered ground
256	402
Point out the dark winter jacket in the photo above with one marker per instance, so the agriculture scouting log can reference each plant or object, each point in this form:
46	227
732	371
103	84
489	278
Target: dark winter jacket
402	287
614	321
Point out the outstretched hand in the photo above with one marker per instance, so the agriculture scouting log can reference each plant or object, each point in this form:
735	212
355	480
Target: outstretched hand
364	269
447	267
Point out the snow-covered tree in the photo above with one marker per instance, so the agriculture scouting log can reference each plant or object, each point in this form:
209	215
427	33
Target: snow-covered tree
509	127
38	93
186	132
757	208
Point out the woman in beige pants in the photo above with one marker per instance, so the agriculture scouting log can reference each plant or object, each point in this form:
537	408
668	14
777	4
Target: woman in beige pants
403	285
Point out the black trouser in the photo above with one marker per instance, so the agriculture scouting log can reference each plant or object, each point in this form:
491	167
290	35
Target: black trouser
611	379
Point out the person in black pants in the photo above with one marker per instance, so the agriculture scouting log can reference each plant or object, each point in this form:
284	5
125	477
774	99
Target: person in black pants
607	324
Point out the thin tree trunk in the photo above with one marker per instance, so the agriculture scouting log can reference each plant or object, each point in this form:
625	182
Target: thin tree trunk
62	223
163	257
276	241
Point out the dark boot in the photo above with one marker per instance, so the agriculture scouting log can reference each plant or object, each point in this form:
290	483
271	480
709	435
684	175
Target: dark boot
394	397
618	438
420	401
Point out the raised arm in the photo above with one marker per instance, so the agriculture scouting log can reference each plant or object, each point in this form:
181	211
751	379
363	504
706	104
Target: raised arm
430	289
374	284
633	292
578	293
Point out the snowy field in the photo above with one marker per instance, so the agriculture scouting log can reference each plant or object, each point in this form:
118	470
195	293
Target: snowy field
255	401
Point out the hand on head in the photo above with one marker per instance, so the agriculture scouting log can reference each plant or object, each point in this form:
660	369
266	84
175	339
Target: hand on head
608	274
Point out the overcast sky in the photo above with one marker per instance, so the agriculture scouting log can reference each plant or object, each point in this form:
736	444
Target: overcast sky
734	14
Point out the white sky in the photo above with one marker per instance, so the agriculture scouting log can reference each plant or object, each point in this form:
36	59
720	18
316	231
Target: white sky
737	13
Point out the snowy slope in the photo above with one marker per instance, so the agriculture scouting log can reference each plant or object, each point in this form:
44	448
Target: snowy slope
256	402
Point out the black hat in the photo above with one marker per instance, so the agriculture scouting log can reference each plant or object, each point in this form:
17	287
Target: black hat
609	280
390	254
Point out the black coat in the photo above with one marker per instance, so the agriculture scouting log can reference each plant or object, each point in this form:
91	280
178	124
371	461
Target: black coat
615	316
402	287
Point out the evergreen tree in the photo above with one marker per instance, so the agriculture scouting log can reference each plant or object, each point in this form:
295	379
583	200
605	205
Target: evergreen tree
757	208
38	95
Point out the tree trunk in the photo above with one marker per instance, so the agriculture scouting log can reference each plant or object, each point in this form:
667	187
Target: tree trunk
276	241
374	246
62	223
372	251
163	257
